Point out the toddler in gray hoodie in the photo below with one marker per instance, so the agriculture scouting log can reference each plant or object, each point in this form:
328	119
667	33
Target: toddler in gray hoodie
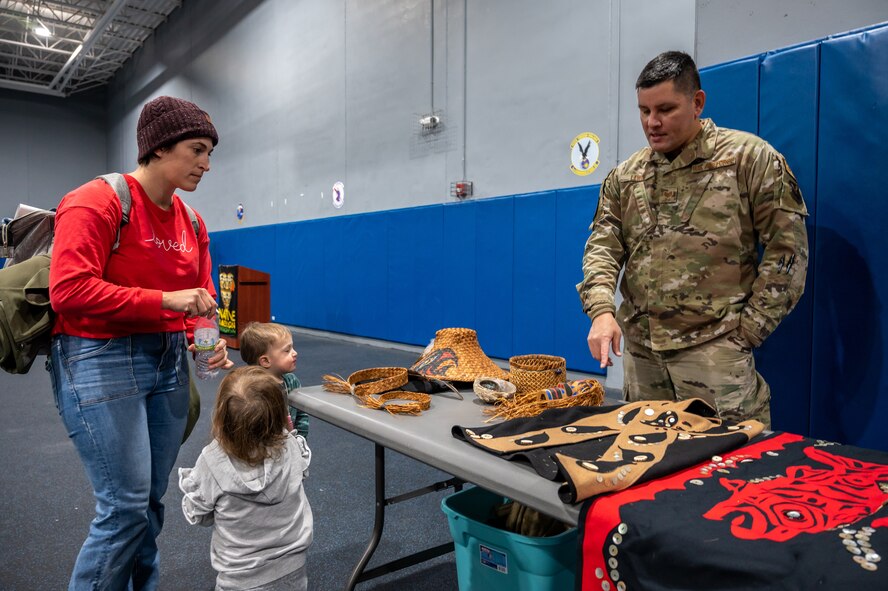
247	484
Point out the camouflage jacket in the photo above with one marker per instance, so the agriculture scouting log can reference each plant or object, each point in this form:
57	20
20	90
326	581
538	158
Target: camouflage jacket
688	233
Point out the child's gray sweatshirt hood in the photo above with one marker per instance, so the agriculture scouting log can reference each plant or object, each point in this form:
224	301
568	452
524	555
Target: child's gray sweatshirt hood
266	483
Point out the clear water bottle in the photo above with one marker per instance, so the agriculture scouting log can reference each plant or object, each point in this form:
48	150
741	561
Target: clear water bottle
206	335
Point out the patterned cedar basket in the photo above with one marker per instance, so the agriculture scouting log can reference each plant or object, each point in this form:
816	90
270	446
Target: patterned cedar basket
536	372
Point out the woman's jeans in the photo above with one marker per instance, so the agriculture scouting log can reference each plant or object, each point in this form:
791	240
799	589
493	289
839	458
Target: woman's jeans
124	402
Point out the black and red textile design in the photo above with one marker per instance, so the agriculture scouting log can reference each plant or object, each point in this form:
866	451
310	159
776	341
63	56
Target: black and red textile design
783	512
437	363
806	500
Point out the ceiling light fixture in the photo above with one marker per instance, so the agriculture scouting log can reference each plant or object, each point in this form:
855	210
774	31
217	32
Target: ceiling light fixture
42	31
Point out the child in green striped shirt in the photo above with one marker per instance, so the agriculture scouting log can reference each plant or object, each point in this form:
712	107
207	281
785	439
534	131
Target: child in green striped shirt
270	345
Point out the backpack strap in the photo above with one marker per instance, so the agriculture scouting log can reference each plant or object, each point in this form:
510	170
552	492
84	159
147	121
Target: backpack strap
193	216
121	189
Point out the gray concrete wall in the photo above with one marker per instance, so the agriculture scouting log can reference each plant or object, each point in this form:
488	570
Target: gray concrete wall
728	29
307	94
48	146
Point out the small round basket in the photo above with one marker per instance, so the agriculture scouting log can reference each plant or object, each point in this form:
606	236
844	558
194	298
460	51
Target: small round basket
490	390
536	372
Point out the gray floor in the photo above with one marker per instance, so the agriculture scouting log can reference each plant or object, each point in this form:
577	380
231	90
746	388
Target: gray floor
46	503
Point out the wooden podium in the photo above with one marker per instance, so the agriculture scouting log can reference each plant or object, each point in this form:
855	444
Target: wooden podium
245	297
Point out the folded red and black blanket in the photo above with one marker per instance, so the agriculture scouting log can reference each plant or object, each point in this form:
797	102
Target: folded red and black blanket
784	512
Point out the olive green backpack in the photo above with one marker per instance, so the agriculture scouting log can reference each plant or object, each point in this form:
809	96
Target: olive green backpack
26	316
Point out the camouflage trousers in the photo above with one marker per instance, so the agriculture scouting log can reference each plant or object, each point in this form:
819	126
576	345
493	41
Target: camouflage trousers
721	372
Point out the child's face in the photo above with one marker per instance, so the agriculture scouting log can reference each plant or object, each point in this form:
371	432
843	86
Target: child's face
282	356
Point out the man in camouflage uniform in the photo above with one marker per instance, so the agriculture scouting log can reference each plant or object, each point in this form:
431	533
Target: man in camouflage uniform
686	217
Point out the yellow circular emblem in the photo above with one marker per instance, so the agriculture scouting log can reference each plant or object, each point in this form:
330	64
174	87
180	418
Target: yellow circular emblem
584	154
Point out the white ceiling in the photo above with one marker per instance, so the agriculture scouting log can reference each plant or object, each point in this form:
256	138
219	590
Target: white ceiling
89	41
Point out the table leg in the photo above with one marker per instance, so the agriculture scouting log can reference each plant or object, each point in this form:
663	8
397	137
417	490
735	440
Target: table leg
359	574
378	520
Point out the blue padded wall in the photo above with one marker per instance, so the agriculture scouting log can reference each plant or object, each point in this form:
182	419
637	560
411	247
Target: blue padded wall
575	209
732	91
533	279
357	281
494	235
454	273
414	250
505	267
849	394
788	120
298	290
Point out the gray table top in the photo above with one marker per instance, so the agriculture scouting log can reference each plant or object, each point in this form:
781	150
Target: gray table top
428	438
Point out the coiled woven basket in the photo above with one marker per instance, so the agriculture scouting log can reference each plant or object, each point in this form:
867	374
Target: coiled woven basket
536	372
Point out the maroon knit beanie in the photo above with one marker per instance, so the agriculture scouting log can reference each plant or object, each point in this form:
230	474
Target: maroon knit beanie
167	120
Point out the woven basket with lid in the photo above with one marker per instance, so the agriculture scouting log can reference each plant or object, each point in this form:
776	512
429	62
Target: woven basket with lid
536	372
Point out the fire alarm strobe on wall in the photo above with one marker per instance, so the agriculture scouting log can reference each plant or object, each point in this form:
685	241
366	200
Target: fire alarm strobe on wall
461	189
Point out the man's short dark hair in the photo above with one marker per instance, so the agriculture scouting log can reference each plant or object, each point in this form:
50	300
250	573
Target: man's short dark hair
671	65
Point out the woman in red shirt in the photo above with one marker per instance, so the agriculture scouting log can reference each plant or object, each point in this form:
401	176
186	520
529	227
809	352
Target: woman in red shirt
125	315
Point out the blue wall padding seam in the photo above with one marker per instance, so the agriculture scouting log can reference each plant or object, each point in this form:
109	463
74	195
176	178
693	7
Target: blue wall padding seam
788	120
732	94
849	393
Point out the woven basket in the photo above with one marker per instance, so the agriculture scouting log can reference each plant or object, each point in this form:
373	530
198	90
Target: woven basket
536	372
490	390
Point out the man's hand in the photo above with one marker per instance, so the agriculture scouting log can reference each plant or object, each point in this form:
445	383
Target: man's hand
605	334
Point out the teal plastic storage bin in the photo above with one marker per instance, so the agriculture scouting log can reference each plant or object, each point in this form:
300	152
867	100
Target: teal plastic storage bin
491	559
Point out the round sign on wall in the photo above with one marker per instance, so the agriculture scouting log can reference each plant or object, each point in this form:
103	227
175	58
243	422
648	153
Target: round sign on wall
584	154
338	194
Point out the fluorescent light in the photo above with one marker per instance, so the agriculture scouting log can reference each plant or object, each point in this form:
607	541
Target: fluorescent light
42	31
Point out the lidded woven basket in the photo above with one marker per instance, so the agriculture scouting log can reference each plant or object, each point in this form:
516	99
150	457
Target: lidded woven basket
536	372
